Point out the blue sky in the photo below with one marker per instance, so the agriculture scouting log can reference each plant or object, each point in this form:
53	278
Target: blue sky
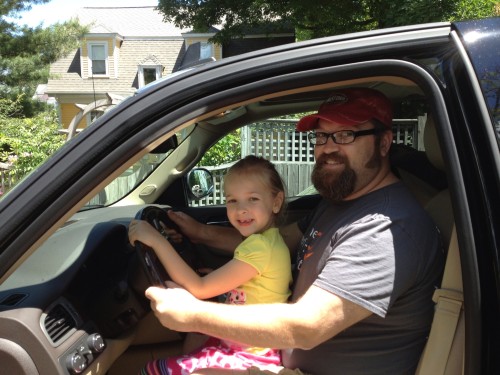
62	10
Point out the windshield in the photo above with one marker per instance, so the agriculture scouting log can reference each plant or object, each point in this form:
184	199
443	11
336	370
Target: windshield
121	186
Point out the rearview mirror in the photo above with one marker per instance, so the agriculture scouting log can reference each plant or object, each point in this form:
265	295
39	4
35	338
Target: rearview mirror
169	144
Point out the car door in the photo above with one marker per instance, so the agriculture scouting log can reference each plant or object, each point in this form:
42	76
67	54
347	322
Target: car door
432	57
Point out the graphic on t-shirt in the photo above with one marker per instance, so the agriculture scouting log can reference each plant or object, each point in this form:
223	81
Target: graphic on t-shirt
236	297
307	246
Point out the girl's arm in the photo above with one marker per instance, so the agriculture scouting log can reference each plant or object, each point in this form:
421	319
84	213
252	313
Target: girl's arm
230	276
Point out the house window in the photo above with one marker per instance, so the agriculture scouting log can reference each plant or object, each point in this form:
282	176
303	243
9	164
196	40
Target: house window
92	116
206	50
98	59
148	74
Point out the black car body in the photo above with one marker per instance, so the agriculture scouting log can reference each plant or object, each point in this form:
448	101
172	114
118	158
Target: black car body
72	271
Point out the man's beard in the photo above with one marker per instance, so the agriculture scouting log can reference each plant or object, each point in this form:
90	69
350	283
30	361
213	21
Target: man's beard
333	186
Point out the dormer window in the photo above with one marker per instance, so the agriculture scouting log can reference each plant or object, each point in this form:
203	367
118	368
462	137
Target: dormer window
206	50
98	59
148	74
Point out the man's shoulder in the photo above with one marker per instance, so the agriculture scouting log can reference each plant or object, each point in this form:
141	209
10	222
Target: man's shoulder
400	196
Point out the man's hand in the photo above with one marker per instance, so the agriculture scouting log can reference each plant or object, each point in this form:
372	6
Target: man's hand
189	227
219	237
174	306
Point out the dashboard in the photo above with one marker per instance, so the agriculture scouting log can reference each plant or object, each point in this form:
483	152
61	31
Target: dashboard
72	306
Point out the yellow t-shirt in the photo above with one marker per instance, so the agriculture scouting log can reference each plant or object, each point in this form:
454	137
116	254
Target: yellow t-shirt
269	255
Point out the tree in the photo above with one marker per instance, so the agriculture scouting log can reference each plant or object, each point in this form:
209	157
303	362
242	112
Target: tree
226	150
27	142
26	53
318	18
28	129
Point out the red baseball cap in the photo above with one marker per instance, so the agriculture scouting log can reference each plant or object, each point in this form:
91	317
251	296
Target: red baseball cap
351	107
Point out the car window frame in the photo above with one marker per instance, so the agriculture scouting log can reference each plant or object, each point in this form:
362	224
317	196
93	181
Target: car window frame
128	134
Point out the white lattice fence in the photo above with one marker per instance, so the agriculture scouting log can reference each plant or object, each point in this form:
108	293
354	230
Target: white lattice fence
276	140
296	176
291	152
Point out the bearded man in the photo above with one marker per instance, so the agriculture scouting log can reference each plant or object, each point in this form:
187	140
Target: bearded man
368	259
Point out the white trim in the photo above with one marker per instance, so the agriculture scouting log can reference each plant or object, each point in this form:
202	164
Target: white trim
197	35
82	66
116	57
140	73
90	44
104	35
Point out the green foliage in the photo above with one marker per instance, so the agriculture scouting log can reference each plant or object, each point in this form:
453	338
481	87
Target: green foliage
25	54
320	18
26	143
468	9
226	150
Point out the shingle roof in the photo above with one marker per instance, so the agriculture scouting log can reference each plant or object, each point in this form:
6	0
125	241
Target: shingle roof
145	38
142	22
66	71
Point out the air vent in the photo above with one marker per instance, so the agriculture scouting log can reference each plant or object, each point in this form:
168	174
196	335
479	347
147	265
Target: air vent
58	324
13	299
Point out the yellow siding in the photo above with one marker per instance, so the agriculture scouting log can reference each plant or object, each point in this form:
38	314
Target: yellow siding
218	52
68	111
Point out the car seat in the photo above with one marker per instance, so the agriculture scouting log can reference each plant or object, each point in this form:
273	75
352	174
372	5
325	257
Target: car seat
444	351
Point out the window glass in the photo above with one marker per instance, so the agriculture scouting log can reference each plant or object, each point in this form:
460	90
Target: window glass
274	139
133	176
290	151
205	50
94	115
98	57
149	75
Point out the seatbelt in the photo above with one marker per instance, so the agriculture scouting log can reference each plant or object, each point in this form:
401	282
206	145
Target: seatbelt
449	301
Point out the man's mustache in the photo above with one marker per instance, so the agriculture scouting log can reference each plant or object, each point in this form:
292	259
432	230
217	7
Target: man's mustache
335	158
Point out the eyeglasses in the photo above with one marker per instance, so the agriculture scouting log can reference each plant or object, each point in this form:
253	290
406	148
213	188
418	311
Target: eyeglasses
341	137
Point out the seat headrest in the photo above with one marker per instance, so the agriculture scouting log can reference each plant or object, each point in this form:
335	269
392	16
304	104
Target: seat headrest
431	144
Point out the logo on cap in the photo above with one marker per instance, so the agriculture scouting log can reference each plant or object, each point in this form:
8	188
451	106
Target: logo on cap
336	98
350	106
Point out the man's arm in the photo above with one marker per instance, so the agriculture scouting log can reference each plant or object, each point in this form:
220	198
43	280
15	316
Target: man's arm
291	235
316	317
225	238
216	236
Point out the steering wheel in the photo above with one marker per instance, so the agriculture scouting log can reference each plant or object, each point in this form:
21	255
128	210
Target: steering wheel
156	273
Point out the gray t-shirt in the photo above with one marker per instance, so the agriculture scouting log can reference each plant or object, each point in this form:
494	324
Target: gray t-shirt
383	252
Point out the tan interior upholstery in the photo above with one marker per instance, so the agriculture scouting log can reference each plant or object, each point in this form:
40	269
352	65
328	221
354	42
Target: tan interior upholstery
431	144
443	354
439	207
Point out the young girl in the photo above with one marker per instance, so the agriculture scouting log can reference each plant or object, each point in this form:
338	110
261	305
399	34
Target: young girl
260	271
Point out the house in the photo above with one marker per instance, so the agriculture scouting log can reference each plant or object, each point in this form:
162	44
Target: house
127	48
